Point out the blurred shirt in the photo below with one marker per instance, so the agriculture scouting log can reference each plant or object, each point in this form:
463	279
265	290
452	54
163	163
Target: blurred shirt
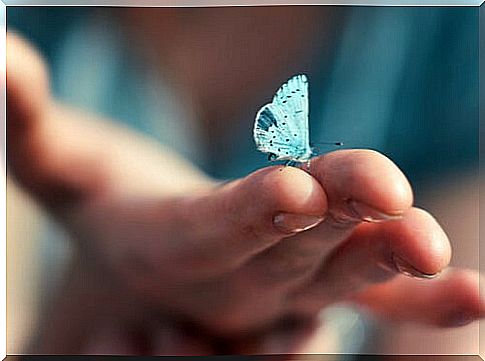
403	81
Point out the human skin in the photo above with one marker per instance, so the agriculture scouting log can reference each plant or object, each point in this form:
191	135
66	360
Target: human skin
154	236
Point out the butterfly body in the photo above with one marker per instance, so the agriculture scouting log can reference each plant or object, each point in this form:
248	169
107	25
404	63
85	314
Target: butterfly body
281	127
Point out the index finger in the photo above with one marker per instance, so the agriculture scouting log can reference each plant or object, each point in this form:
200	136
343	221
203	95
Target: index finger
362	185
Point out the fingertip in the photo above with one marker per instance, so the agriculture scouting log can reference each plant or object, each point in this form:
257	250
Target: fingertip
27	79
414	245
365	176
423	242
451	300
291	190
465	298
23	57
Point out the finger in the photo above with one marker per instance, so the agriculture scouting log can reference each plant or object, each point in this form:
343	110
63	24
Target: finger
27	83
361	185
210	233
451	300
290	262
43	147
27	94
354	181
415	246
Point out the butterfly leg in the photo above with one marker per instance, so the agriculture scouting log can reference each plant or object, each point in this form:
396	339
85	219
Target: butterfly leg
271	157
305	165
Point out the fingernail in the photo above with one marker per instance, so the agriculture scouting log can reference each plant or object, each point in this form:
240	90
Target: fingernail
407	269
294	223
460	319
367	213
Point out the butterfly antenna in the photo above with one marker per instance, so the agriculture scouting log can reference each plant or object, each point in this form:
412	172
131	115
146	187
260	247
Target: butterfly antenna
331	143
317	150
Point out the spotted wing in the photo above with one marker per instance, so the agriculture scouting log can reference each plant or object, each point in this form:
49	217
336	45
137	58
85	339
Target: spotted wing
281	127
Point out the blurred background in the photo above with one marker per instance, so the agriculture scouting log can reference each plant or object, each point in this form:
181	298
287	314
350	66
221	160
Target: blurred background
403	81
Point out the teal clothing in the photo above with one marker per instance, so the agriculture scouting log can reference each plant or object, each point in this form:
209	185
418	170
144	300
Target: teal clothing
403	81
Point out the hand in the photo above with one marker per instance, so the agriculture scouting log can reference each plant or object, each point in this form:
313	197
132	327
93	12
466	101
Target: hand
236	259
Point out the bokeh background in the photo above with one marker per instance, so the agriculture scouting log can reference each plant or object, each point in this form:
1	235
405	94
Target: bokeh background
400	80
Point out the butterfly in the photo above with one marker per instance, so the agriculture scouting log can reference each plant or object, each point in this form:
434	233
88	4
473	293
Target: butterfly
281	127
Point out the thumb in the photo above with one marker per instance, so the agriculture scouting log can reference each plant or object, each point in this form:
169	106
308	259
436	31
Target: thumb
27	85
44	151
204	234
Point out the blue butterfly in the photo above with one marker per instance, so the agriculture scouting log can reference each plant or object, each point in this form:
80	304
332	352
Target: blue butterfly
281	127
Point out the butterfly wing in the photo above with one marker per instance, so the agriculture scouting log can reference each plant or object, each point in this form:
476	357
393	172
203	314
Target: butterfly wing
281	127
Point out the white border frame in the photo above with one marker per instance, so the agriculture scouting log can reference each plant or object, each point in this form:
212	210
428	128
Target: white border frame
143	3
